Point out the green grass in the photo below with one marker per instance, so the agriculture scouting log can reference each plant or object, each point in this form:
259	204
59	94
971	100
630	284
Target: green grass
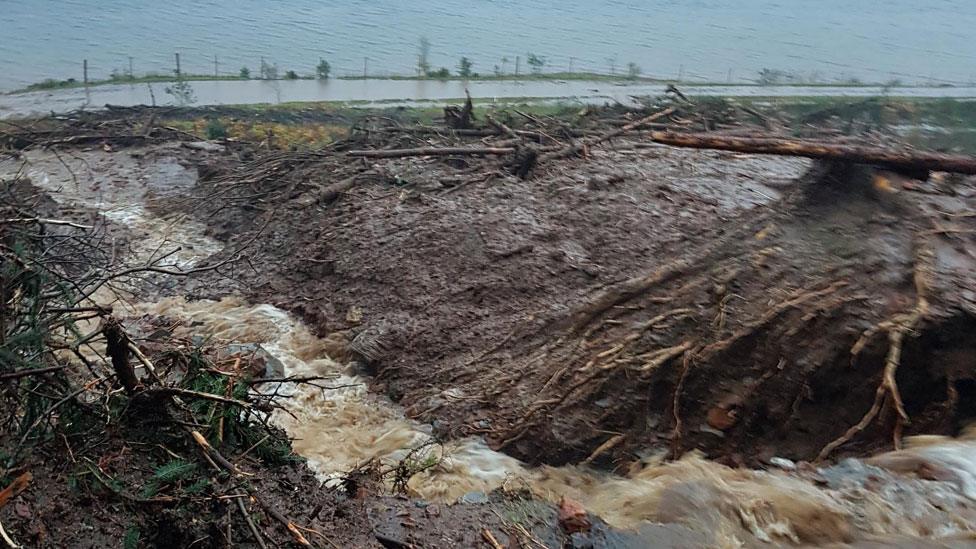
52	84
588	76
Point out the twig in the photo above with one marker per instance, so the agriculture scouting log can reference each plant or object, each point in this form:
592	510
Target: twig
503	128
253	446
11	543
231	381
603	448
16	487
490	539
250	524
32	372
46	221
575	149
434	151
219	461
196	394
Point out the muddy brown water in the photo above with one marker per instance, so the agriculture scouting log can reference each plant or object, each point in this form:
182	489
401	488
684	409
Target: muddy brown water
342	427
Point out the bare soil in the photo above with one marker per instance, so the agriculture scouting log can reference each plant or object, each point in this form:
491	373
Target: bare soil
604	309
641	298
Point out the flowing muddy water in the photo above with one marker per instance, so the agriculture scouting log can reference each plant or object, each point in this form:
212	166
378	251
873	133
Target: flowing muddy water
344	426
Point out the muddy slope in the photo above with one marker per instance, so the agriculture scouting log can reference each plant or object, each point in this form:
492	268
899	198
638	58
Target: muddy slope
95	480
639	298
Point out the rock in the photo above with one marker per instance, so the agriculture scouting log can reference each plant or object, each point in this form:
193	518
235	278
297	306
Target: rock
579	540
354	315
783	463
572	516
476	498
721	418
260	362
205	146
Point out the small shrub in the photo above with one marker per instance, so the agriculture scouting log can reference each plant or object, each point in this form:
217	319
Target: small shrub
216	129
245	73
182	93
50	84
131	539
291	75
323	69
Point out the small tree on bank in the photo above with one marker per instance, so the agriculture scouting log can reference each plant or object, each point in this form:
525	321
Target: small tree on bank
423	58
323	69
245	73
464	68
633	71
536	62
268	72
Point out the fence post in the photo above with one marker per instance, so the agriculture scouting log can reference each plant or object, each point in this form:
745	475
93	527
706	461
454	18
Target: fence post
178	71
85	71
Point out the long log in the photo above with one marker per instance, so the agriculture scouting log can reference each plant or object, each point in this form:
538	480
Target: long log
434	151
913	161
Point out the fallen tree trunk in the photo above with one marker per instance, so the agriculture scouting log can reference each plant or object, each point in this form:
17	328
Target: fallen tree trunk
332	192
913	161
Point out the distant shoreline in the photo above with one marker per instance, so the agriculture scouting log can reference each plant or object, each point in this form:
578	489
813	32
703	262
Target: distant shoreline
155	78
404	92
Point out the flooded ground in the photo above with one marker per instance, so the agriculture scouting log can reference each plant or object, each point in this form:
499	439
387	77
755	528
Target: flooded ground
412	92
691	502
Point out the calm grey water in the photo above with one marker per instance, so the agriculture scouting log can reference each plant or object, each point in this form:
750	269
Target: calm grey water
875	40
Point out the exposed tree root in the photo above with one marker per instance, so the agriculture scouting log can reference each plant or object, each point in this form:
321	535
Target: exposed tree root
625	291
657	358
897	328
686	363
625	342
772	314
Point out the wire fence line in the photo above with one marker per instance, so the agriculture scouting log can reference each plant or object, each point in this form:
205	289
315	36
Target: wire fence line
516	65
